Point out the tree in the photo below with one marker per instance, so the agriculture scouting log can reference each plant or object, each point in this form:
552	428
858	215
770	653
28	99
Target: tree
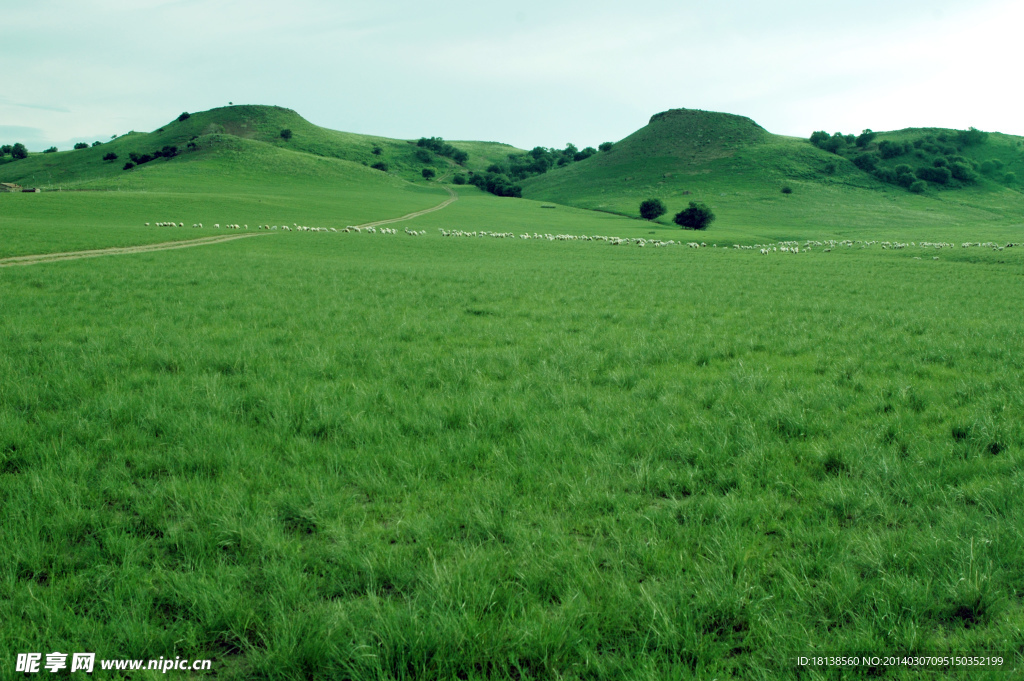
424	156
81	145
786	189
380	165
111	156
97	143
605	146
428	173
865	138
184	115
459	179
585	154
51	150
19	151
5	149
652	209
697	216
286	134
128	166
819	137
918	186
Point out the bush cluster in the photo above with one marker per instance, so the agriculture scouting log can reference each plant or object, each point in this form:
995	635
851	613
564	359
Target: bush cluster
442	148
869	156
498	184
138	159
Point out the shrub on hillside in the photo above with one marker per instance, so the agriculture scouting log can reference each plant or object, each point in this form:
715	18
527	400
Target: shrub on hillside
866	162
428	173
442	148
889	149
286	134
605	146
51	150
865	138
495	168
1010	178
185	115
81	145
111	156
5	149
886	175
786	189
696	216
940	162
585	154
459	179
918	186
933	174
128	166
97	143
962	172
19	151
652	209
377	151
971	136
380	165
906	179
423	155
818	138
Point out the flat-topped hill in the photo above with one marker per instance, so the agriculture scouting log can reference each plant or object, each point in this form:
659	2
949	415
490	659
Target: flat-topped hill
742	170
188	136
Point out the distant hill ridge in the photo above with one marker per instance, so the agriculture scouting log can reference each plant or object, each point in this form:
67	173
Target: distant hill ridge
184	139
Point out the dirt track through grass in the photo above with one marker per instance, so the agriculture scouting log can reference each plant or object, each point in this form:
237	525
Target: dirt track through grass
171	245
75	255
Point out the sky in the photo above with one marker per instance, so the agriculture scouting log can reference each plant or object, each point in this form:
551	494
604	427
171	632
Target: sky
527	73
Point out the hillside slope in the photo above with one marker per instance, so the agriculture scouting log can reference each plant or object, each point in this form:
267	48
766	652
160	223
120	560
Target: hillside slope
256	123
740	169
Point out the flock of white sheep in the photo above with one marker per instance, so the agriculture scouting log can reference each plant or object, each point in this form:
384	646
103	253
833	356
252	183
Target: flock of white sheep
789	247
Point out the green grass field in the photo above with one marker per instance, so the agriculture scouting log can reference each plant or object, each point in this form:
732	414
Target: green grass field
375	456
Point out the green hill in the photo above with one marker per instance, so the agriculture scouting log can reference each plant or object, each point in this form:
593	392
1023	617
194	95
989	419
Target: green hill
208	130
740	169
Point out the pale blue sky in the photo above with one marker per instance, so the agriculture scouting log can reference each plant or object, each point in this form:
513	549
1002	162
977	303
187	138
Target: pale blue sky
531	73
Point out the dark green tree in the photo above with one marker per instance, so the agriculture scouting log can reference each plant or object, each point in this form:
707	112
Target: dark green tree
111	156
459	179
865	138
286	134
51	150
81	145
185	115
380	165
605	146
696	216
19	151
652	209
428	173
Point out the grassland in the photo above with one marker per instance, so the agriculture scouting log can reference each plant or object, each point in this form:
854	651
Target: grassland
369	456
372	456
